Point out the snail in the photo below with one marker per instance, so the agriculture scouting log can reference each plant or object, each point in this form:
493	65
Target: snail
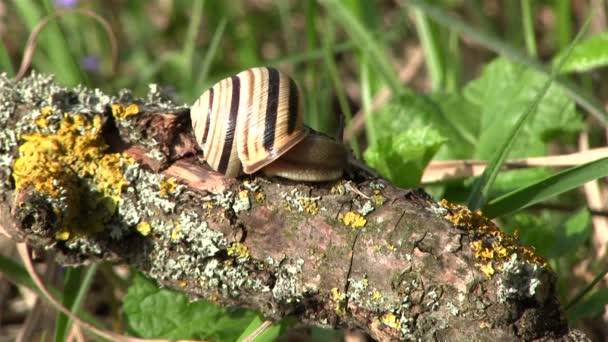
254	121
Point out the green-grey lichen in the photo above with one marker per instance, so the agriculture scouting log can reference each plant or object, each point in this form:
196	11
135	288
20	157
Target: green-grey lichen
519	279
242	203
361	294
299	202
377	185
364	208
454	310
287	288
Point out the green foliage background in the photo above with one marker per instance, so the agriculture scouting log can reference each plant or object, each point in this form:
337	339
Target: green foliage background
468	105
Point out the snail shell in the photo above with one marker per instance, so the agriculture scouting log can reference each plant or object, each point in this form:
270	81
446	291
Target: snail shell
248	121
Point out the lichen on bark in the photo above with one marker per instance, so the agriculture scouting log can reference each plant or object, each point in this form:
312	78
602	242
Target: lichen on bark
90	176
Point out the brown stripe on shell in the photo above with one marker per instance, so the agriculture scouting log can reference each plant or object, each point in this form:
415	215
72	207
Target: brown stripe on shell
272	105
208	116
255	116
227	150
294	107
268	135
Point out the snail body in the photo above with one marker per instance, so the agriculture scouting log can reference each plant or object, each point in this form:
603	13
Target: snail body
254	121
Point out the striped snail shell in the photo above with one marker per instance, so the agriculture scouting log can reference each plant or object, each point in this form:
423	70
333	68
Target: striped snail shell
254	121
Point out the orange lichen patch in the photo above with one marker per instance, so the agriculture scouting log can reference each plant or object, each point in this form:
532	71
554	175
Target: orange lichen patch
490	244
167	186
353	219
122	112
72	166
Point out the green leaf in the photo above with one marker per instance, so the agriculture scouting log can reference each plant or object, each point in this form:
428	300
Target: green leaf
507	137
152	312
493	43
554	235
549	187
590	306
402	157
588	55
459	123
572	234
502	92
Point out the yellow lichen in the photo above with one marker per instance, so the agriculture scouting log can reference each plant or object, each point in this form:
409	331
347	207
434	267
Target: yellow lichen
337	295
377	198
41	120
339	298
485	325
167	186
482	252
260	197
144	228
353	219
243	194
390	320
183	284
176	233
238	250
121	112
486	269
310	205
376	295
72	164
490	245
62	235
338	189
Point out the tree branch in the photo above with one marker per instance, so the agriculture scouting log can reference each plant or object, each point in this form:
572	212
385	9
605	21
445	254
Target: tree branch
88	177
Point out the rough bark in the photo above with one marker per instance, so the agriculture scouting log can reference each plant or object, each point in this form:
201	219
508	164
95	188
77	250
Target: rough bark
355	253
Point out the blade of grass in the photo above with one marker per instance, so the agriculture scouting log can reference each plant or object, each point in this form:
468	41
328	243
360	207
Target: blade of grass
5	61
365	41
330	64
75	289
289	34
546	188
210	54
187	54
58	59
591	105
564	22
65	65
527	10
431	46
16	273
366	100
483	184
586	290
70	289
